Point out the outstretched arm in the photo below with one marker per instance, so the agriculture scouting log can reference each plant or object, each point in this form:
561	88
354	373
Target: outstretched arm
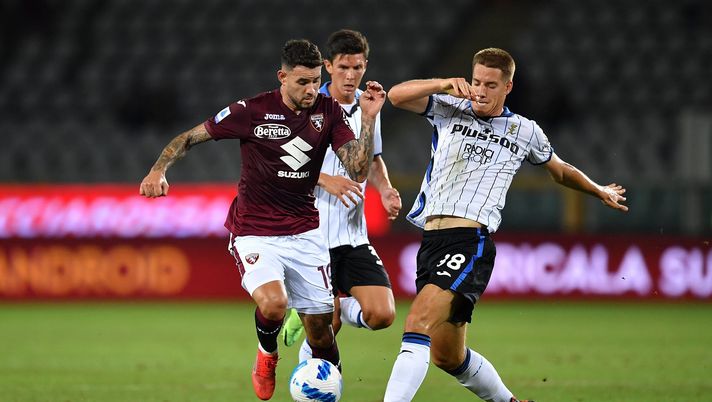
378	177
569	176
341	187
356	155
155	183
413	95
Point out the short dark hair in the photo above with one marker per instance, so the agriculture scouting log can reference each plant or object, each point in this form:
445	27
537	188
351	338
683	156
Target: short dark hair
301	52
346	41
496	58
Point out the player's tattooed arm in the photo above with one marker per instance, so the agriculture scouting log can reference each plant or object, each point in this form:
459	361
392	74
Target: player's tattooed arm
357	155
178	147
155	183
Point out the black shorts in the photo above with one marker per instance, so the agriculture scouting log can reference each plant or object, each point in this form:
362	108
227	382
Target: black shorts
460	260
356	266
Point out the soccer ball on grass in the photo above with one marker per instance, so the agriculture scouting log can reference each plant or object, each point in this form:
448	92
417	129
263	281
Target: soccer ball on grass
315	380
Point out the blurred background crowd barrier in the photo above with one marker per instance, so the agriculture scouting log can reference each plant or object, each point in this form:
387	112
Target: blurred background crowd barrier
91	91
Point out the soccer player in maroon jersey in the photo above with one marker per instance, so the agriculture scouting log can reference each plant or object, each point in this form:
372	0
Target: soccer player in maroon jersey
279	250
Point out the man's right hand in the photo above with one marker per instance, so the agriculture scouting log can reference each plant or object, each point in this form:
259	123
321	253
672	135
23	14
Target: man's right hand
341	187
154	185
372	99
458	87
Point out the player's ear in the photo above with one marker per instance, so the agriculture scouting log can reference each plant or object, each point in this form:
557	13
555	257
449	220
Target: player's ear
282	76
508	86
328	65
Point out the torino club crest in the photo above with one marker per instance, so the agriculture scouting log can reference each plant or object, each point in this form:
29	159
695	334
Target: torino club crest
252	258
317	121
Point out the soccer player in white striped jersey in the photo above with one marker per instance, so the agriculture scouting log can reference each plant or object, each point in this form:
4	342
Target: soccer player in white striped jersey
478	146
357	273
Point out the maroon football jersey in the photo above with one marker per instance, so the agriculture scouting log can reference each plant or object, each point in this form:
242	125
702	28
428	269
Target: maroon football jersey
282	153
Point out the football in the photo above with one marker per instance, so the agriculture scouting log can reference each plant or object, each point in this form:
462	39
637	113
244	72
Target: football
315	380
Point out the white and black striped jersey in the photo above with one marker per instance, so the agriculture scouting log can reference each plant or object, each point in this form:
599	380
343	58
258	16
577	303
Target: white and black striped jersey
474	161
341	225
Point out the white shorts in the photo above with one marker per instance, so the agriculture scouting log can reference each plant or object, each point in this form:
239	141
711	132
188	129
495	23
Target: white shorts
300	261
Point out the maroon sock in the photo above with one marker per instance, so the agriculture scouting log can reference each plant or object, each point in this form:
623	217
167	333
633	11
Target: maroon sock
331	354
267	331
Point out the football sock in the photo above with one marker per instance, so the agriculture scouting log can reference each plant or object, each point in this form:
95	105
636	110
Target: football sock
305	352
267	331
479	376
410	368
351	312
331	354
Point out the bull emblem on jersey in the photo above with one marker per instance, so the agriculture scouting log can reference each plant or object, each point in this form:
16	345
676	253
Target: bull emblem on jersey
252	258
317	121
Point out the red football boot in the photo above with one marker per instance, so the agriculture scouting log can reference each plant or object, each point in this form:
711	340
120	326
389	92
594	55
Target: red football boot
263	373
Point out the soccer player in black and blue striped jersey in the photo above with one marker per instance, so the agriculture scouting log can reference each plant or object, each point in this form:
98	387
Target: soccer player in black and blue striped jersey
478	146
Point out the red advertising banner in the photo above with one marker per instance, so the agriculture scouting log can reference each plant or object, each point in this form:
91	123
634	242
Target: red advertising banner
113	210
105	241
196	268
536	265
117	211
527	266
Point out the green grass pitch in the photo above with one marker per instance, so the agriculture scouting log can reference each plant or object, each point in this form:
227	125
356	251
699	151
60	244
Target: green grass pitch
551	351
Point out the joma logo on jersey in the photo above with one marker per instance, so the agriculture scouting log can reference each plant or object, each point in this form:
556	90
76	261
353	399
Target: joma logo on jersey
272	131
272	116
486	136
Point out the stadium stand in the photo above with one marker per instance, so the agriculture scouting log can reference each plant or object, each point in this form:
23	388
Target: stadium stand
100	87
91	91
623	72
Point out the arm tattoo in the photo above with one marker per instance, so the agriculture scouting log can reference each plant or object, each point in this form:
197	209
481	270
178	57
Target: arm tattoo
178	147
356	155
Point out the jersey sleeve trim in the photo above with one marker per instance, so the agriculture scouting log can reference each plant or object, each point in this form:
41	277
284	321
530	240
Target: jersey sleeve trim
551	154
210	131
428	107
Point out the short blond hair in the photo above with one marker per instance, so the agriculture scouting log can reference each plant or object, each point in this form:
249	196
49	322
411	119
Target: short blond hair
496	58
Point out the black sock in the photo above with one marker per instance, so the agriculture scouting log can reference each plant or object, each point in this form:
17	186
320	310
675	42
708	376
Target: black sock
267	331
330	354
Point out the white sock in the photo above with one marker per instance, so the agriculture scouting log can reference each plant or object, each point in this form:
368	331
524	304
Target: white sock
410	368
351	313
305	351
479	376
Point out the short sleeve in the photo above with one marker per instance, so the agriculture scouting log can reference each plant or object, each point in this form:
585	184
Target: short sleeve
541	149
231	122
440	106
341	131
377	141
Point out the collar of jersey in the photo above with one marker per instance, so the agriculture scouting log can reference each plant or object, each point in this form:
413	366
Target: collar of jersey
505	112
325	90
